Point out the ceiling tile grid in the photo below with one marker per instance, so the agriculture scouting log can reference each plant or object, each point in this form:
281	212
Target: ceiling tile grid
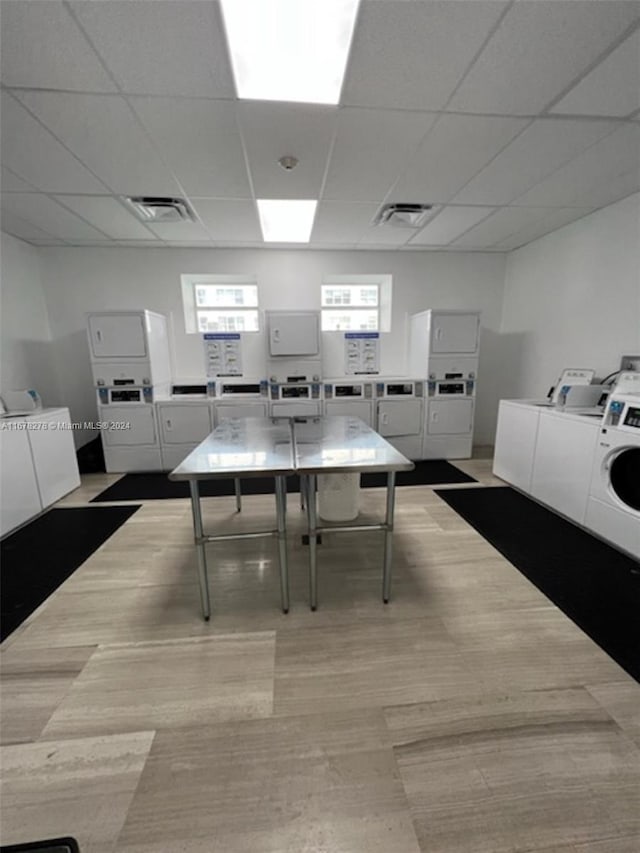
511	117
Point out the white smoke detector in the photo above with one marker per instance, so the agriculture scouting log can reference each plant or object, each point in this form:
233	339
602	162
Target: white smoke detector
403	215
160	209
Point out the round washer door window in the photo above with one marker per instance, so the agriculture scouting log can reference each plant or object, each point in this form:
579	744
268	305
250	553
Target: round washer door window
624	475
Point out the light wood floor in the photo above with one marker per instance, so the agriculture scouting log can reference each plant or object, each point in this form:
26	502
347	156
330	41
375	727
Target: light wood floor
467	716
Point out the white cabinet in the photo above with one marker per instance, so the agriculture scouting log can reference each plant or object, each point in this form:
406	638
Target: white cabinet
54	455
562	469
515	445
20	496
117	335
293	333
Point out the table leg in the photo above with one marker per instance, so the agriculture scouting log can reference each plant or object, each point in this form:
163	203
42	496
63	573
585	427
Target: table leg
303	486
388	536
238	490
281	514
313	545
200	549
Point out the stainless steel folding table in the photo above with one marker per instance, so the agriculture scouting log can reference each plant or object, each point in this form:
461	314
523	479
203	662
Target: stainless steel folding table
241	447
335	444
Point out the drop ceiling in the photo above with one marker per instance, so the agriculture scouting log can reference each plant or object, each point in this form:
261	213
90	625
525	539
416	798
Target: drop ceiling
510	118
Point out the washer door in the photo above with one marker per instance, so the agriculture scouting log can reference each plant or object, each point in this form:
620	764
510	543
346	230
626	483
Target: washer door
624	477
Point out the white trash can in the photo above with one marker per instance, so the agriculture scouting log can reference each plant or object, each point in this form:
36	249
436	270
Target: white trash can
338	496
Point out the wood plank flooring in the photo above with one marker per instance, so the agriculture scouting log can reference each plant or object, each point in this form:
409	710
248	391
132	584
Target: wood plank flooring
467	716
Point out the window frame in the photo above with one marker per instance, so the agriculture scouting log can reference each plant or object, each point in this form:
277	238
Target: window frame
189	284
382	283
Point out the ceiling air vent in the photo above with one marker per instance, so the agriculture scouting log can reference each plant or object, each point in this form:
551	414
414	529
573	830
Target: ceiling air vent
403	215
154	209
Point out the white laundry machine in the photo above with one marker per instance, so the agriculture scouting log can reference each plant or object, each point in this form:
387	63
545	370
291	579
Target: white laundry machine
353	399
129	430
400	414
613	508
240	398
295	399
184	421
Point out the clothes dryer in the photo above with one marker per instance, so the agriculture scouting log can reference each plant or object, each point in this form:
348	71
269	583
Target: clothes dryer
613	508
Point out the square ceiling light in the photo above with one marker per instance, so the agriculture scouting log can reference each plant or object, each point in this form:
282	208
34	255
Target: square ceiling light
289	50
286	220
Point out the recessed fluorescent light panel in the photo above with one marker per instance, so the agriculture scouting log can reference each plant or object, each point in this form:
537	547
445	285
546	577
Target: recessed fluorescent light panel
289	50
286	221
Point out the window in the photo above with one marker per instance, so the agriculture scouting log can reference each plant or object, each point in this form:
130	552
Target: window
220	303
354	303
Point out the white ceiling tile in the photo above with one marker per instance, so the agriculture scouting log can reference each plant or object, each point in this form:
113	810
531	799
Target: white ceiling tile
412	55
173	47
12	224
450	223
271	131
609	189
555	219
455	149
12	183
49	216
370	152
42	46
340	222
385	235
228	220
32	152
500	225
538	50
102	131
539	150
180	231
617	153
201	143
612	88
108	215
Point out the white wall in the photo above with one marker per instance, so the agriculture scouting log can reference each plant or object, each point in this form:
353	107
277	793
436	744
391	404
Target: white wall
26	353
79	280
572	299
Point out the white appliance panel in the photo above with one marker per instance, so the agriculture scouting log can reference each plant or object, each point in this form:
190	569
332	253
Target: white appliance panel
119	460
449	417
401	417
18	485
562	466
454	333
294	333
224	411
54	456
174	454
139	425
516	444
293	410
614	524
362	409
184	424
117	336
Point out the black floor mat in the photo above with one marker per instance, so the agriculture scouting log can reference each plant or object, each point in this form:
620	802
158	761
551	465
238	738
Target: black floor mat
157	486
596	585
36	559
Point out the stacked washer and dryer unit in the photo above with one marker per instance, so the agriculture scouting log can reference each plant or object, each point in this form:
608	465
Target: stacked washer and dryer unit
444	347
131	368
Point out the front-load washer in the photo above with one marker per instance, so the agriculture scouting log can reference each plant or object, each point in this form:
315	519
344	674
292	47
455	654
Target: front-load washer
613	508
400	414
